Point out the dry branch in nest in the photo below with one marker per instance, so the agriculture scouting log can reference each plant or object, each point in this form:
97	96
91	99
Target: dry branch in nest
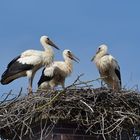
99	111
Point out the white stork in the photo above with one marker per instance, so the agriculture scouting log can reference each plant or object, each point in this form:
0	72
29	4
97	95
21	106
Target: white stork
108	68
56	73
29	62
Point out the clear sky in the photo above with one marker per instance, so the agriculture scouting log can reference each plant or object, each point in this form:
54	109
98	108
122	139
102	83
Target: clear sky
78	25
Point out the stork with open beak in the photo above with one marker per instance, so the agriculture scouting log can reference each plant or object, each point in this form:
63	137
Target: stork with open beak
29	62
56	73
108	68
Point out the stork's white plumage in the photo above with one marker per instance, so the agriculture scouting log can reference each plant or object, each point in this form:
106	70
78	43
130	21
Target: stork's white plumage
29	62
56	73
108	68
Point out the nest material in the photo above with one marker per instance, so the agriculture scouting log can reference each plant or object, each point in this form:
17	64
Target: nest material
98	111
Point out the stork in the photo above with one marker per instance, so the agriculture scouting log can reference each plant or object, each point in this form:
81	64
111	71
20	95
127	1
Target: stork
108	67
56	73
28	62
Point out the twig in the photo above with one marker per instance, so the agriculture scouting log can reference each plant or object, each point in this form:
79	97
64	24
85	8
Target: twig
87	105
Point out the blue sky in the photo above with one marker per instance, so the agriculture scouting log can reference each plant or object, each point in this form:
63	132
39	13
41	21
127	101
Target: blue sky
78	25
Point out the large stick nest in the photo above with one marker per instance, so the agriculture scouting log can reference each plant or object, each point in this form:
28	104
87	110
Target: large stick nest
98	111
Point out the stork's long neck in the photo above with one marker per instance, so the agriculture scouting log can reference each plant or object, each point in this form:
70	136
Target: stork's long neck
47	47
99	55
69	64
48	53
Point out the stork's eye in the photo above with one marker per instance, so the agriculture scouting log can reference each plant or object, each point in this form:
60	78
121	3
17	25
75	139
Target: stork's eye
69	52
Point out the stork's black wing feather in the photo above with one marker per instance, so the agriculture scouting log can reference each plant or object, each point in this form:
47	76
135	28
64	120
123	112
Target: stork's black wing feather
14	60
117	71
44	78
14	68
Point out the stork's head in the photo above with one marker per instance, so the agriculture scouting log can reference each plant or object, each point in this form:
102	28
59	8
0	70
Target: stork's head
45	41
67	54
102	50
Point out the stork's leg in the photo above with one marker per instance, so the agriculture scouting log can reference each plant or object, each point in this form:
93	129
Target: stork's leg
113	85
30	75
30	86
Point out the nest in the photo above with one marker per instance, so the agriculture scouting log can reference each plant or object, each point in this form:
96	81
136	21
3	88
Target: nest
99	111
